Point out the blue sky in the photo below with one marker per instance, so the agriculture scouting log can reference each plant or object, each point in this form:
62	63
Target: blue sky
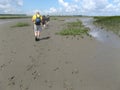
61	7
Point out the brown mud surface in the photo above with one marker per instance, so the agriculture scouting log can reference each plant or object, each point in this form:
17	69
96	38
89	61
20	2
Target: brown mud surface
55	62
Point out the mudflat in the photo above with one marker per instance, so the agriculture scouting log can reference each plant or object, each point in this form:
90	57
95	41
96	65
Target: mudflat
55	62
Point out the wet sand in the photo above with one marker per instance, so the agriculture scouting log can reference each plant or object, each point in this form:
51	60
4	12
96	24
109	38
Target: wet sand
55	62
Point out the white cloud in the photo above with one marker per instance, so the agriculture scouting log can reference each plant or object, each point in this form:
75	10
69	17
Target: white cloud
19	2
116	1
65	4
88	5
76	0
53	10
94	5
71	8
84	7
10	6
68	7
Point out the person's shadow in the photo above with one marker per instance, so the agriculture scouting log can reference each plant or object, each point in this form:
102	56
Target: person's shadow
44	38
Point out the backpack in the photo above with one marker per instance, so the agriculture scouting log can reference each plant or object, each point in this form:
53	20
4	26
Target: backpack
38	20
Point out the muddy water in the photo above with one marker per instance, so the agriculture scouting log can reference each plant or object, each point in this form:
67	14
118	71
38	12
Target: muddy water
106	68
108	38
4	21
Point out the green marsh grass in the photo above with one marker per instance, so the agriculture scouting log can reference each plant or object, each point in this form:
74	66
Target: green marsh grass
21	24
110	23
54	18
14	17
74	28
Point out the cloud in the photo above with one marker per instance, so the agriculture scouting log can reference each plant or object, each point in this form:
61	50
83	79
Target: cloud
94	5
62	2
19	2
10	6
52	10
88	5
76	0
91	7
71	8
68	7
85	7
116	1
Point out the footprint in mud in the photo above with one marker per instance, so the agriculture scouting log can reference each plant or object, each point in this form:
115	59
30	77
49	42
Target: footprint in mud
49	83
34	45
78	38
82	37
33	60
56	69
22	87
11	61
68	62
5	65
2	66
4	41
11	81
37	50
27	88
67	85
13	52
107	36
36	75
102	27
72	37
30	57
44	63
75	71
30	67
49	49
67	37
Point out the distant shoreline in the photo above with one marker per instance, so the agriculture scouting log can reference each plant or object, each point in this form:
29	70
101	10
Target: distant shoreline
14	17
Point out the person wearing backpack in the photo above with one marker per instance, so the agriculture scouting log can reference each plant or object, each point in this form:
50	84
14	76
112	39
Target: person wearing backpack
47	19
37	20
43	21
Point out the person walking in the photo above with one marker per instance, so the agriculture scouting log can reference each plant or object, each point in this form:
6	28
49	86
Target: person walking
47	19
37	19
43	21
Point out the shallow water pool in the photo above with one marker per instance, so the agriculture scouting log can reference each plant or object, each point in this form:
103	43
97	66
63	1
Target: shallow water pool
98	33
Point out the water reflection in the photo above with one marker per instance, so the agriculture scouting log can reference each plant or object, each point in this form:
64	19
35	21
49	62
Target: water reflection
101	35
4	21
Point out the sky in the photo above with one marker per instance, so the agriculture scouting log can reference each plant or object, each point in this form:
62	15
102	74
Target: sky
61	7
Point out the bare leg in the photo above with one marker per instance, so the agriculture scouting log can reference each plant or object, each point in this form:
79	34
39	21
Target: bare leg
35	33
38	34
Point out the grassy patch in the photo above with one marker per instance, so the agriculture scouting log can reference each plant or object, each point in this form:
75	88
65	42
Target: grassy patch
54	18
21	24
74	28
110	23
14	17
